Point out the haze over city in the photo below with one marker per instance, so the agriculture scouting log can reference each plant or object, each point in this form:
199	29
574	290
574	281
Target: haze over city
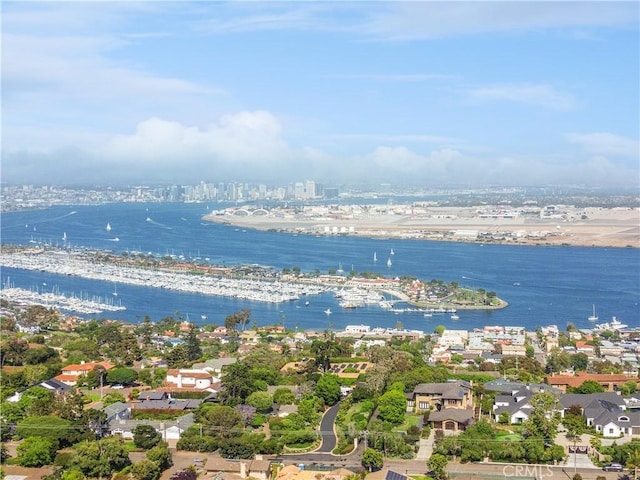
456	93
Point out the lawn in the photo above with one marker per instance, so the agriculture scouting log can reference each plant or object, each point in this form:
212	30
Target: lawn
409	421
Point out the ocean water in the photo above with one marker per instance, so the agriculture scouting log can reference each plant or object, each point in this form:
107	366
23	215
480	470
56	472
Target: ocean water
543	285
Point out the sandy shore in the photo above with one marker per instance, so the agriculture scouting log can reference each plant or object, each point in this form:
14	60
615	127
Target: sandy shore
600	227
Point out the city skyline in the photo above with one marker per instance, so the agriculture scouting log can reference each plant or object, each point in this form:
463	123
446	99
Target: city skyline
458	93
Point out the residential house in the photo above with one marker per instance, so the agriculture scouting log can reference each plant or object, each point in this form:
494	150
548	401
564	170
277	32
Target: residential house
189	379
117	411
71	373
610	382
217	467
513	350
517	405
304	472
438	396
606	412
168	429
451	419
58	387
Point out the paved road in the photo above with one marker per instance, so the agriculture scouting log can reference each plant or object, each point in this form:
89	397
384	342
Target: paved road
327	429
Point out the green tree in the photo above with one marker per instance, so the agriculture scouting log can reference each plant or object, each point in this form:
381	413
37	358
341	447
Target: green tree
309	408
328	389
145	436
222	421
633	463
284	396
372	459
580	361
238	384
145	470
192	345
392	406
437	465
589	386
262	401
56	430
542	421
122	375
100	458
161	455
35	452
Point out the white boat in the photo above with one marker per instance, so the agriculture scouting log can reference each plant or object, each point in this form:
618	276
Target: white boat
613	325
454	316
428	314
389	263
64	236
203	317
148	219
115	290
108	227
593	317
375	257
392	252
328	311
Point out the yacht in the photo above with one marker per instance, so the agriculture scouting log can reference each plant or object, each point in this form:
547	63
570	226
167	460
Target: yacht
389	263
108	227
593	317
614	324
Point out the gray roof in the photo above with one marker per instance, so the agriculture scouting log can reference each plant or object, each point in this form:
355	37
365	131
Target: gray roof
586	399
618	418
168	404
57	385
115	408
152	395
503	385
460	415
452	390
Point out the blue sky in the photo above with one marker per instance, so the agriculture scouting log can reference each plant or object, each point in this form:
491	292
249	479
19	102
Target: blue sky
420	93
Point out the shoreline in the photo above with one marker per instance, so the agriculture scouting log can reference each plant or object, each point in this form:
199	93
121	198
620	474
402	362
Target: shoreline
589	227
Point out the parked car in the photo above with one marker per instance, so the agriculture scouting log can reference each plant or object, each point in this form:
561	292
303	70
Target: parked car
612	467
117	386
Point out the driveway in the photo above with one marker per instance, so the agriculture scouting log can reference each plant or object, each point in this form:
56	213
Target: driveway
327	431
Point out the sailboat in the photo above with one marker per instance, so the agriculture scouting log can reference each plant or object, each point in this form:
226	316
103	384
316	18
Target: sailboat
389	262
64	236
108	227
392	252
593	317
115	290
375	257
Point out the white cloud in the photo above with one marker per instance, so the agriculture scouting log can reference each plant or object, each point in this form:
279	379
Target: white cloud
606	144
424	20
527	94
249	138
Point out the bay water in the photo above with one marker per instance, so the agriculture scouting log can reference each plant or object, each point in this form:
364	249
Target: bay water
542	284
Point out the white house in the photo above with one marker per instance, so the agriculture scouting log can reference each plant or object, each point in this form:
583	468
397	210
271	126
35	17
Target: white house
189	379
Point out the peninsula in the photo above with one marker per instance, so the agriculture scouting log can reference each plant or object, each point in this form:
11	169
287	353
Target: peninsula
528	225
246	282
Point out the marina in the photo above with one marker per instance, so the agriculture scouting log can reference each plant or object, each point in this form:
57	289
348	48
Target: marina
553	285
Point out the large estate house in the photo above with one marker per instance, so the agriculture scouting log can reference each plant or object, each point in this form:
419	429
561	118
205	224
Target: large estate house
450	404
439	396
